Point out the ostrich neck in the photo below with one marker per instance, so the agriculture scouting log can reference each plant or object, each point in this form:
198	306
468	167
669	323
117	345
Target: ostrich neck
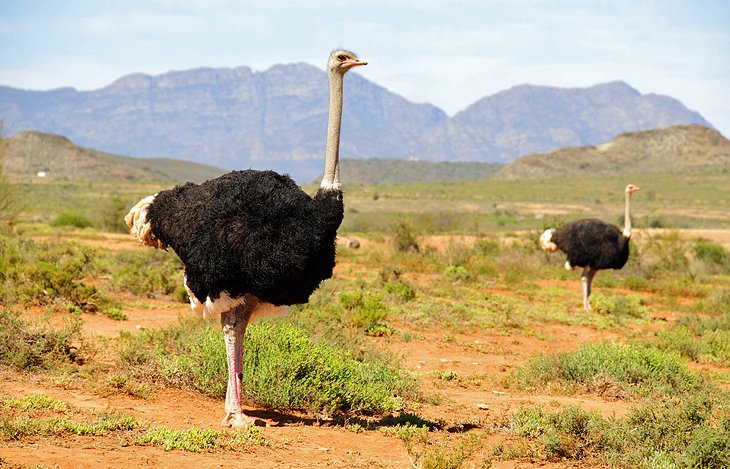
627	217
331	179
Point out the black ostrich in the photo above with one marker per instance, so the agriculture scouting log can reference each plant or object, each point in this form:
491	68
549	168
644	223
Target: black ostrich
251	240
592	244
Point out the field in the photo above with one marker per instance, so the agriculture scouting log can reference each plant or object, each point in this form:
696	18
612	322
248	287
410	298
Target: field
448	339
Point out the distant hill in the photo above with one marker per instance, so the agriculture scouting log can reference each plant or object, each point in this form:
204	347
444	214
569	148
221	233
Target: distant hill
671	149
386	171
238	118
28	154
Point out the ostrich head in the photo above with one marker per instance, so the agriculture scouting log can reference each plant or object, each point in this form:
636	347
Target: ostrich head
341	61
630	188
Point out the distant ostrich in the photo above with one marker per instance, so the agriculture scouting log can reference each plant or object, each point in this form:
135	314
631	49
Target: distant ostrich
592	244
251	240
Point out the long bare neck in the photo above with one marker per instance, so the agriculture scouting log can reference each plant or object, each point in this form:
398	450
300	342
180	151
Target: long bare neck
627	216
331	179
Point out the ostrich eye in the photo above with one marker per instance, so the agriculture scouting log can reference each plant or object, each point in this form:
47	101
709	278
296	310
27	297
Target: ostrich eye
341	58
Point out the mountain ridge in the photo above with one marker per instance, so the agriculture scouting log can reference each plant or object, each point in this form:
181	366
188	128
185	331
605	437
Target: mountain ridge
238	118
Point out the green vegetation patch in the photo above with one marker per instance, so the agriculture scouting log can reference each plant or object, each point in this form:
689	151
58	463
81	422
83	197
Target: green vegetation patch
34	402
28	345
150	273
619	305
40	415
199	440
284	368
699	339
635	368
22	427
47	273
692	430
74	220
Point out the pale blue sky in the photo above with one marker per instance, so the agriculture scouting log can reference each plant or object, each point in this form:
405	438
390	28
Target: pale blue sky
448	53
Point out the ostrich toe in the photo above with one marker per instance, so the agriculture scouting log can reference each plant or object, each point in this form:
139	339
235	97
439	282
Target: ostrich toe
237	420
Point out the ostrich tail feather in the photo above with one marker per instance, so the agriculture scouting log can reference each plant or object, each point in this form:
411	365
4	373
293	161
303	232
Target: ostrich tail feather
140	227
546	240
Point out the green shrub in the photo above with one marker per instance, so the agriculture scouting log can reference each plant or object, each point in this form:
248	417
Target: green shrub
44	273
284	368
29	345
196	440
709	251
637	368
400	290
150	273
75	220
688	431
571	433
698	339
404	236
457	273
623	305
365	310
110	216
717	303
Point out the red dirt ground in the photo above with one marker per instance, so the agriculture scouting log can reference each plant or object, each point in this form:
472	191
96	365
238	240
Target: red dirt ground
298	441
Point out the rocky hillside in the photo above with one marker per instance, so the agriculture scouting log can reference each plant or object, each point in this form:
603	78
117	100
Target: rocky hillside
37	154
239	118
671	149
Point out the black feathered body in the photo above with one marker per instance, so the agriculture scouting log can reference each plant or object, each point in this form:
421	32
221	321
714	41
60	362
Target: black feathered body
252	232
593	243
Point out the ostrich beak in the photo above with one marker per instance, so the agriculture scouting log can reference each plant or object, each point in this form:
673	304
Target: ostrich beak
354	63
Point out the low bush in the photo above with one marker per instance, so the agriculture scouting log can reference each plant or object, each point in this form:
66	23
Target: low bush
365	310
195	440
75	220
709	251
692	430
284	368
30	345
150	273
404	236
638	369
699	339
48	273
621	305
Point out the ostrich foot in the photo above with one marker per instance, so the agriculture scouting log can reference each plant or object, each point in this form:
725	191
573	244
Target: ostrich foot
237	420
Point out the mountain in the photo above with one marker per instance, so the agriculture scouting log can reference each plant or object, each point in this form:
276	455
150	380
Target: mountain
528	119
29	153
672	149
237	118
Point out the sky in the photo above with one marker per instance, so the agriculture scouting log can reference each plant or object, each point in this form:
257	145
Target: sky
447	53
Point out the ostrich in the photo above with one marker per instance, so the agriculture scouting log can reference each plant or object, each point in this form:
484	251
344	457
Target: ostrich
251	240
592	244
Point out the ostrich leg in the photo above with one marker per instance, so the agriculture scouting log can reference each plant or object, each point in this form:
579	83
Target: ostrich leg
234	322
586	279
